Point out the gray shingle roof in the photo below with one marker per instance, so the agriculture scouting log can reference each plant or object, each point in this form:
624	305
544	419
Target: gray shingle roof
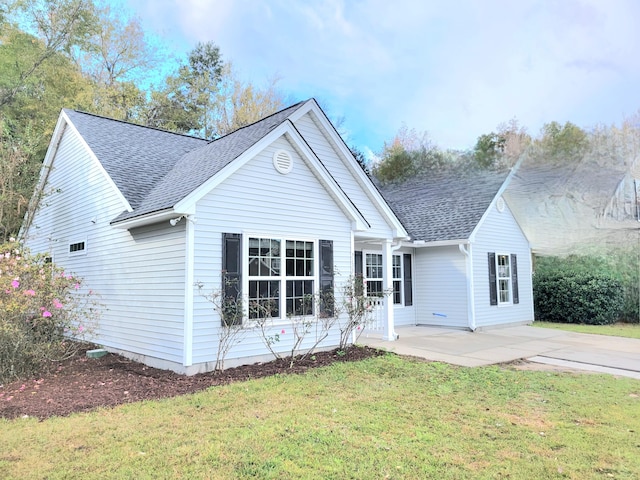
135	157
155	169
444	205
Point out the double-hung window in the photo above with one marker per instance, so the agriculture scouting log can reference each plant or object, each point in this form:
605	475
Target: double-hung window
264	277
282	276
373	274
503	279
397	279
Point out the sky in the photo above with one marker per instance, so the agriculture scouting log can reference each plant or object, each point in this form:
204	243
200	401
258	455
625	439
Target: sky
454	69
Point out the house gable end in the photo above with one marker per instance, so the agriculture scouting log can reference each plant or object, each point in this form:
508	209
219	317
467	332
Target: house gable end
328	131
188	204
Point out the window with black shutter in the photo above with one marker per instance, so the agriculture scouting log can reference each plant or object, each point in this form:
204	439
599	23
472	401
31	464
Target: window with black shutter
503	279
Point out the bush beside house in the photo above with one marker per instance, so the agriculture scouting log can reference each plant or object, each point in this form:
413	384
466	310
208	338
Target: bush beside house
41	308
566	291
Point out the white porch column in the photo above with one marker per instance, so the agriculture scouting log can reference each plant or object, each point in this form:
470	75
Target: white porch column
387	286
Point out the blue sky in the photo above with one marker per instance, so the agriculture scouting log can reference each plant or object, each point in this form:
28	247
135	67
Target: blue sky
455	69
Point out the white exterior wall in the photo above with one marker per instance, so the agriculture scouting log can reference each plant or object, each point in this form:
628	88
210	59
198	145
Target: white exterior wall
259	201
330	158
139	275
440	287
500	233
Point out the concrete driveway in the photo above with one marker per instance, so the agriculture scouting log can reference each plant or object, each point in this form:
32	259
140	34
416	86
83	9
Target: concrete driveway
599	353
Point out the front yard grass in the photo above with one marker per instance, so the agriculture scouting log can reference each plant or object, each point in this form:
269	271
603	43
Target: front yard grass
629	330
388	417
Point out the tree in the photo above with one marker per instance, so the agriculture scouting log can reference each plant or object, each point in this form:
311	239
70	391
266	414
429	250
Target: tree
360	158
118	58
60	25
16	180
565	143
408	154
187	102
241	103
489	149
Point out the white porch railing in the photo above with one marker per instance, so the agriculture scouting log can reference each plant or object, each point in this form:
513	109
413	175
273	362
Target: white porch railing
375	317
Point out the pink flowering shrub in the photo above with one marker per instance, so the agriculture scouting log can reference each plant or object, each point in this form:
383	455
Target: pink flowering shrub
43	313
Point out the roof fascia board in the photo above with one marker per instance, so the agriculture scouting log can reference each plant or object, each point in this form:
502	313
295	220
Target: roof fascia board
92	155
286	128
361	177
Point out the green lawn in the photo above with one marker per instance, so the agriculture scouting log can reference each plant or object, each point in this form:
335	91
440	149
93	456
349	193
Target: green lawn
388	417
630	330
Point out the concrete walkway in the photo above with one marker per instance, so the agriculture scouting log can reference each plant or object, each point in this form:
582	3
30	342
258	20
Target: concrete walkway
600	353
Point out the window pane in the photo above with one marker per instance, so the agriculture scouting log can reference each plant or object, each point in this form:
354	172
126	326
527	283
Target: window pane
299	297
397	266
397	294
264	257
264	298
299	260
374	288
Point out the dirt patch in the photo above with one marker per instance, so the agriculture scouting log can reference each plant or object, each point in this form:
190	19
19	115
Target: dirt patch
82	384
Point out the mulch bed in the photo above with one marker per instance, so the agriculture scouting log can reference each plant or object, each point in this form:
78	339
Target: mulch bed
82	384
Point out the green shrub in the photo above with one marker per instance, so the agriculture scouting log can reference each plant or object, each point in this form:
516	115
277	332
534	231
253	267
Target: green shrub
566	296
618	263
42	309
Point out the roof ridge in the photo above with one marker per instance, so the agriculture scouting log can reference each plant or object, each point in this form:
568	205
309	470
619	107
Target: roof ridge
125	122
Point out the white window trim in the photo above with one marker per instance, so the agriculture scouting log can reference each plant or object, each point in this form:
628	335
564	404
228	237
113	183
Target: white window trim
508	278
282	278
77	252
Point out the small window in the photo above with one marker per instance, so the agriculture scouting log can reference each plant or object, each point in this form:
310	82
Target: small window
373	274
397	280
77	248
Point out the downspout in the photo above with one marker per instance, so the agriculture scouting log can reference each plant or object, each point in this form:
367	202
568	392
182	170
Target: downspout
471	306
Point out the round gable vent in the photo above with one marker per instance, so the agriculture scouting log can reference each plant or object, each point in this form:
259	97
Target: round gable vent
282	161
500	204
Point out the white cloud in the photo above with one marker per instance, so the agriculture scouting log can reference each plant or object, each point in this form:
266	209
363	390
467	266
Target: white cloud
456	69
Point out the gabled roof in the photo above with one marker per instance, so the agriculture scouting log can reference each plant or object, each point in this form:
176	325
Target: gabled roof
195	167
135	157
444	206
154	169
160	174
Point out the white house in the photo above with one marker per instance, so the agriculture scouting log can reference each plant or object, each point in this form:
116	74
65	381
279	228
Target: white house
280	206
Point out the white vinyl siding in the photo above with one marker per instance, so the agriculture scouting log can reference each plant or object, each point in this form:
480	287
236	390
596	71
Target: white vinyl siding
500	233
139	275
257	201
440	284
330	158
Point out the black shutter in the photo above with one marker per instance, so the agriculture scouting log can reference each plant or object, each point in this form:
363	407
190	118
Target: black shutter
357	261
327	302
232	279
493	287
514	278
358	283
408	284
